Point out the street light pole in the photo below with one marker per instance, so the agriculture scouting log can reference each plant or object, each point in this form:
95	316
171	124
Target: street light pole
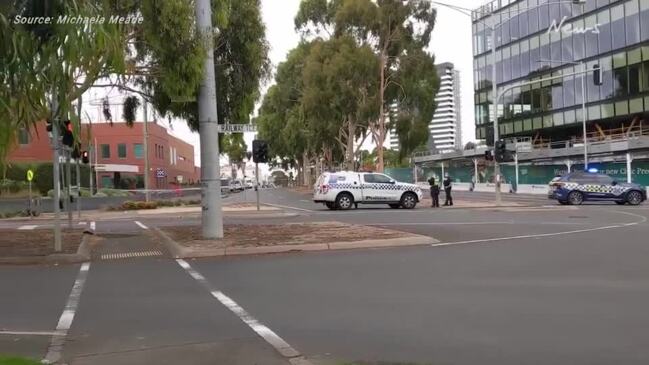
145	145
211	216
56	171
494	91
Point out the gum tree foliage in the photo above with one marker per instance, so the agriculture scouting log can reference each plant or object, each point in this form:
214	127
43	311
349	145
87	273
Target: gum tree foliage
37	59
398	32
162	56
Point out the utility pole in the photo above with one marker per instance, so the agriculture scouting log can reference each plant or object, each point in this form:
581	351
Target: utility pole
56	172
78	167
68	181
145	145
211	217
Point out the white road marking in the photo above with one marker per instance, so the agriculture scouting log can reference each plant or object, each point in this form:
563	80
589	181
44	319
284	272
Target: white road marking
27	227
642	220
30	333
126	255
141	225
65	321
83	223
289	207
262	330
481	223
93	226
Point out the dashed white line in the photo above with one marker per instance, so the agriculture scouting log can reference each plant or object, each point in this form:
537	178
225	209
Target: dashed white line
27	227
30	333
262	330
141	225
65	321
289	207
93	226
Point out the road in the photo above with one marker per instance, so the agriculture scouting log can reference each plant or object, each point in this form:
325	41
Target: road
537	284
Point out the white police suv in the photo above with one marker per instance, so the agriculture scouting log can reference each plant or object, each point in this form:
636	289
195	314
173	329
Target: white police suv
342	190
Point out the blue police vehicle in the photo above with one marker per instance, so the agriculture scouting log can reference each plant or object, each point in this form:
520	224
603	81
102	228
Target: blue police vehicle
577	187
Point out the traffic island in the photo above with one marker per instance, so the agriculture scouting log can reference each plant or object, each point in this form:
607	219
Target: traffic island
26	247
186	241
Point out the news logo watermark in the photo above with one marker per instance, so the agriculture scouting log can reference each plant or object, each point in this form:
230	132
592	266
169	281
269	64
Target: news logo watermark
79	20
570	29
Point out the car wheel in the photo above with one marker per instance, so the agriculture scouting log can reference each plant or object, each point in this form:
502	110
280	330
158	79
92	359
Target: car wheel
408	200
634	197
563	203
620	203
395	206
344	201
576	198
331	205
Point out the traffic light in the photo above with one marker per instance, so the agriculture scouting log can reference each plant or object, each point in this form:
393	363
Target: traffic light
500	151
67	136
597	75
259	151
85	157
488	156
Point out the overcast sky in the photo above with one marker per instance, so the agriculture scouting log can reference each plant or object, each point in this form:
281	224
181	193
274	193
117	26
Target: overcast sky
451	42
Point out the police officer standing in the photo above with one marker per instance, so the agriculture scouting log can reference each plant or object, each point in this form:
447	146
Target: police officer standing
447	190
434	192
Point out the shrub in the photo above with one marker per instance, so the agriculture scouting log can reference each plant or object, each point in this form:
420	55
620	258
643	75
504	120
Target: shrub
136	205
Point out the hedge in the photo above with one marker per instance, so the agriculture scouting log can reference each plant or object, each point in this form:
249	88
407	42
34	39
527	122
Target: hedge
43	181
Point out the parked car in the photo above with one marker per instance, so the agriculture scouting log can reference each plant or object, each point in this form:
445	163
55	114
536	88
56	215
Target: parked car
236	185
248	183
225	186
342	190
577	187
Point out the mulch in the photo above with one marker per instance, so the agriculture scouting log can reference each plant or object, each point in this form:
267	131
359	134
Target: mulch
279	234
37	242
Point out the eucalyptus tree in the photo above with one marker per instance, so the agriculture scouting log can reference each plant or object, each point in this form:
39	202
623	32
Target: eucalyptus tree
396	30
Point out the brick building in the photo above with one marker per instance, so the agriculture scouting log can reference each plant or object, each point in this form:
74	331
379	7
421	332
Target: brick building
120	154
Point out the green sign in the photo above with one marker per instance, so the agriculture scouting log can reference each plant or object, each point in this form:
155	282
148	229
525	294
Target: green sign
30	175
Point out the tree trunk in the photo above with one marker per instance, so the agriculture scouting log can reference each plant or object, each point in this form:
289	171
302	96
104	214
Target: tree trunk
381	127
305	168
349	153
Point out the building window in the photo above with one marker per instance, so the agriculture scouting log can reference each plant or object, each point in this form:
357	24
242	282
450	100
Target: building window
23	136
106	181
138	151
105	151
121	150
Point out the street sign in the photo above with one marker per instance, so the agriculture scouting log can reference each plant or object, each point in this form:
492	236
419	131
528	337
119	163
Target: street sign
237	128
30	175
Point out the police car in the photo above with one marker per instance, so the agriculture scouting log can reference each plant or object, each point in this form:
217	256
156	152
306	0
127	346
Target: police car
341	190
577	187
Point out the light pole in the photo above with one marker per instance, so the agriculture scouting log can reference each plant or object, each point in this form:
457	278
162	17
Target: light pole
583	103
493	28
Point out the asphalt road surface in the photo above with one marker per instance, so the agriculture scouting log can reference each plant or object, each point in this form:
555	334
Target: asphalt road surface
538	284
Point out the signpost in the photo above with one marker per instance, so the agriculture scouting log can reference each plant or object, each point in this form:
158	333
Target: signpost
237	128
30	177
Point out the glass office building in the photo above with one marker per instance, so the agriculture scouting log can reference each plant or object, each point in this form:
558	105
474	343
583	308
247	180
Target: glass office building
538	39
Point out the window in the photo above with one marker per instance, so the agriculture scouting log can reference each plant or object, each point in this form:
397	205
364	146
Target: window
632	22
592	38
23	136
603	179
604	25
106	180
138	151
376	179
644	20
617	27
121	150
105	151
